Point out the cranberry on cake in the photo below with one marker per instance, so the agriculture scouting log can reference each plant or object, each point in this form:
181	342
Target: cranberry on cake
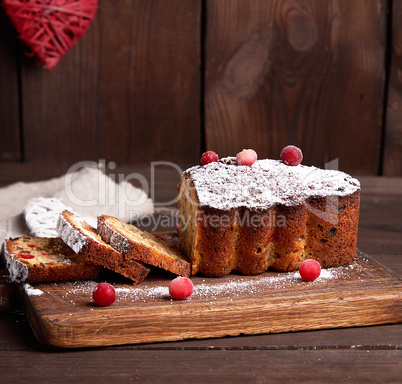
248	218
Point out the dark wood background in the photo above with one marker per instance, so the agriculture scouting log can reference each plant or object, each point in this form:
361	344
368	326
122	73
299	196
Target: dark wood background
167	79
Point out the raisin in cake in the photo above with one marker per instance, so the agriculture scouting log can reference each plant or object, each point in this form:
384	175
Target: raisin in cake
269	214
84	240
38	259
136	244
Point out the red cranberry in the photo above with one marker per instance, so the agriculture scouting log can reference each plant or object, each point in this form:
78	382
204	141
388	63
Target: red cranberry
209	157
310	270
246	157
180	288
26	256
291	155
104	294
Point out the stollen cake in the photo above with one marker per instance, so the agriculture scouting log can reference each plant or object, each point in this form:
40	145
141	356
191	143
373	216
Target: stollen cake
249	218
85	241
136	244
38	259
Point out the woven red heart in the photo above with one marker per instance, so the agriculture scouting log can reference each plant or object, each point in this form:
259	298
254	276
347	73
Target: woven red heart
50	27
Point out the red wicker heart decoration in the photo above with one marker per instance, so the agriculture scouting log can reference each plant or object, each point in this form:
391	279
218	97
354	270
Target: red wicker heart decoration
50	27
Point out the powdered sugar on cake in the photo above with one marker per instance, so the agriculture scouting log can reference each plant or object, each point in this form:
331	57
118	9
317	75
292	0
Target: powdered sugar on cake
114	238
70	235
18	271
226	185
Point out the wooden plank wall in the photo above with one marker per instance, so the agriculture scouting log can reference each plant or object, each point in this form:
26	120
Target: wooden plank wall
168	79
128	91
393	132
10	148
319	83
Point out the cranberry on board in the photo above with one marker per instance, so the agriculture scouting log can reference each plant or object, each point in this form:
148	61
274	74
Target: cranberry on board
310	270
246	157
291	155
104	294
209	157
180	288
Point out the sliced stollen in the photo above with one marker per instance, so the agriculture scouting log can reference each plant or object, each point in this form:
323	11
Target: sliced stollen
39	259
84	240
136	244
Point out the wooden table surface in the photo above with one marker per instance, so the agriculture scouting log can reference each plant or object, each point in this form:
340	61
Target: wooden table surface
364	354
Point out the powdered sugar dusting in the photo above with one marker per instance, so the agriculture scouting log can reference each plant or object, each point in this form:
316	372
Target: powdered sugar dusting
113	237
274	282
225	185
70	235
210	289
31	291
142	293
18	272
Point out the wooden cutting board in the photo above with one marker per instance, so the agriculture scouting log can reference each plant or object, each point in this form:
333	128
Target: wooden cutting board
9	298
363	293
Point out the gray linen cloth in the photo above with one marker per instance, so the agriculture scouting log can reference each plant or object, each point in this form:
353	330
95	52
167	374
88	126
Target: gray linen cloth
32	208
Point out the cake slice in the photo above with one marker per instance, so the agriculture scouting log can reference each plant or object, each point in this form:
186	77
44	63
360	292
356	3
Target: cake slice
38	259
84	240
136	244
